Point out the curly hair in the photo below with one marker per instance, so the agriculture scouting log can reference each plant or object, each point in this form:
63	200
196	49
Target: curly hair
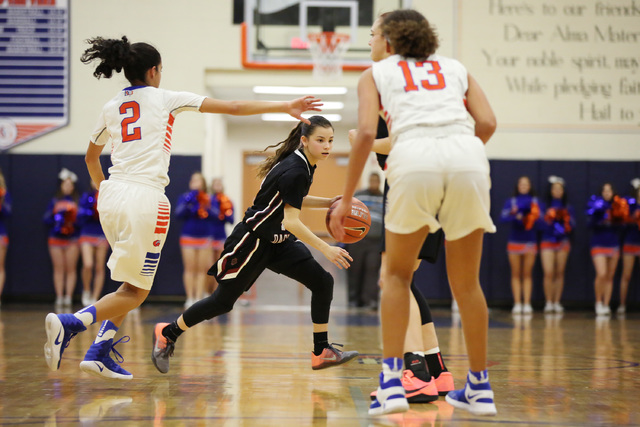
116	55
409	33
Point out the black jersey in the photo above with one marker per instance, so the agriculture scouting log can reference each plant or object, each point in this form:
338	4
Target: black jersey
288	182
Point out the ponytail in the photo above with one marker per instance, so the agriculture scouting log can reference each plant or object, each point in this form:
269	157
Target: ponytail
292	143
288	146
116	55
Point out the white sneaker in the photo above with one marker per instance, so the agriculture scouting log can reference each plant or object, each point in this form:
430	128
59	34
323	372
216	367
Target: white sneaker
59	302
67	301
527	309
517	308
390	397
476	396
602	310
98	362
558	308
621	309
549	307
86	298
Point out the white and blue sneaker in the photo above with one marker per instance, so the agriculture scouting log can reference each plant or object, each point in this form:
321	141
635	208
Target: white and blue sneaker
390	397
476	396
98	362
60	329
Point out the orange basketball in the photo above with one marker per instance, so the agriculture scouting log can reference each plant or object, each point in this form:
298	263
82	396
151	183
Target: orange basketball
356	223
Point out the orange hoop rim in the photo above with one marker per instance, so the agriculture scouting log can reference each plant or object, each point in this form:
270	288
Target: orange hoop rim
335	39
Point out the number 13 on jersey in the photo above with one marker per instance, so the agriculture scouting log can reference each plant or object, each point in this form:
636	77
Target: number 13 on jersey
434	80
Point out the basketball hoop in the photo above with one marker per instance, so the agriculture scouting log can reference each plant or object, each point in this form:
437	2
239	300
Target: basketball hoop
327	51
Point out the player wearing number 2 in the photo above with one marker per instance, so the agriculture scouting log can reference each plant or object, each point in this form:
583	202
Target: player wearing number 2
134	211
438	175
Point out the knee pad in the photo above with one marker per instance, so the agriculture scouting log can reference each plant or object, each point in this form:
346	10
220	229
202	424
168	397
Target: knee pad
321	286
220	302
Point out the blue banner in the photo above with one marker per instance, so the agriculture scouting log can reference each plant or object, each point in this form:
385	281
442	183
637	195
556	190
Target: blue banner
34	69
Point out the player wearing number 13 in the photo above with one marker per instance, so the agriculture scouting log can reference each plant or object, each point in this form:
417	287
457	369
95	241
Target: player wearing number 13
134	211
438	175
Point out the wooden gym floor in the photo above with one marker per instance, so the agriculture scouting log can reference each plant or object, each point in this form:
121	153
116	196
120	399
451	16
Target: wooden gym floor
252	368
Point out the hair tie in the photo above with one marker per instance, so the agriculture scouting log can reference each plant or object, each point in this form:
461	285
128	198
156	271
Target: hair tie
556	180
67	174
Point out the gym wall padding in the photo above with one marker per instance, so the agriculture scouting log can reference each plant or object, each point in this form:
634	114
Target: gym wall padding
32	182
583	179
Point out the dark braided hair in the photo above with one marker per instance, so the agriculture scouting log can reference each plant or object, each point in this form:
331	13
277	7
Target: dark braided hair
292	143
116	55
409	33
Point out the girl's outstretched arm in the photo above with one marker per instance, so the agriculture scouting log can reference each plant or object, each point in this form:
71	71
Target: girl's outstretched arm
294	108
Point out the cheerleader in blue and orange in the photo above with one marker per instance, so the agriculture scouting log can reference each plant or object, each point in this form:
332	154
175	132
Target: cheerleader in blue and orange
522	211
93	247
559	222
630	244
5	212
607	214
195	208
62	218
223	205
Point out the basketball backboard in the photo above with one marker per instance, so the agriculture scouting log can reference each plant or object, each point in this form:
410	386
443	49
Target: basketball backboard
275	32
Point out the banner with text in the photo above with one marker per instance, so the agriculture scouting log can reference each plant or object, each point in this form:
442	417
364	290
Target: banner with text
562	64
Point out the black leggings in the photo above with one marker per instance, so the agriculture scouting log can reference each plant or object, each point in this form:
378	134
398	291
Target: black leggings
425	311
308	272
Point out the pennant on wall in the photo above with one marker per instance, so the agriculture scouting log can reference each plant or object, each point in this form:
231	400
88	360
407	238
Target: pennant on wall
34	69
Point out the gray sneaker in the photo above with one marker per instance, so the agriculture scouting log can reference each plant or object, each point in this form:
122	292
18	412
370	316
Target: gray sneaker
162	349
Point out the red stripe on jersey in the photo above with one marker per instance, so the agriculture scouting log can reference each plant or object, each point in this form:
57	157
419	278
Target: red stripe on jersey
160	230
167	141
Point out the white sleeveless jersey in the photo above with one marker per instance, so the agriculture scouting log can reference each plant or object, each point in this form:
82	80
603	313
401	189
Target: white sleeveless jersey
421	93
139	124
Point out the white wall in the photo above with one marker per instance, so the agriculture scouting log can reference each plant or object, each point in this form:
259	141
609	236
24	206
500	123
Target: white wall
197	41
190	36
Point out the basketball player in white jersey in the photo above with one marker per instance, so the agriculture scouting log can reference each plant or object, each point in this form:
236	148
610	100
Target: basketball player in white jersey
437	167
134	211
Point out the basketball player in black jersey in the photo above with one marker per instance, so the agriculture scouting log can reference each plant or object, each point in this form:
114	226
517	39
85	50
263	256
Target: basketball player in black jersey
270	236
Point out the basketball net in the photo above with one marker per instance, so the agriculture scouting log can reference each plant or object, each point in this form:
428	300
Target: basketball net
327	51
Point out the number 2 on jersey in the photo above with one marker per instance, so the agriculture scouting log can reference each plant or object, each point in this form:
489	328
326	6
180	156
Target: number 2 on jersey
132	110
434	71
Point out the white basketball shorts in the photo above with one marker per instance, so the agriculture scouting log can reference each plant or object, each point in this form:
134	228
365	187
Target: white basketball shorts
440	181
135	220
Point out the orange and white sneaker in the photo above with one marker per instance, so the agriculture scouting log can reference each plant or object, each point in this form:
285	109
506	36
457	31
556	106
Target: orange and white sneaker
444	383
331	356
162	349
416	390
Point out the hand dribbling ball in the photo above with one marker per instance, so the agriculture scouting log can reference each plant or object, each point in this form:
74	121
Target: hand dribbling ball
356	223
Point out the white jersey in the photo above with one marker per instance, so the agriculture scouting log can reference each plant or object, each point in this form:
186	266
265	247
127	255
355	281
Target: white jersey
139	124
421	93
